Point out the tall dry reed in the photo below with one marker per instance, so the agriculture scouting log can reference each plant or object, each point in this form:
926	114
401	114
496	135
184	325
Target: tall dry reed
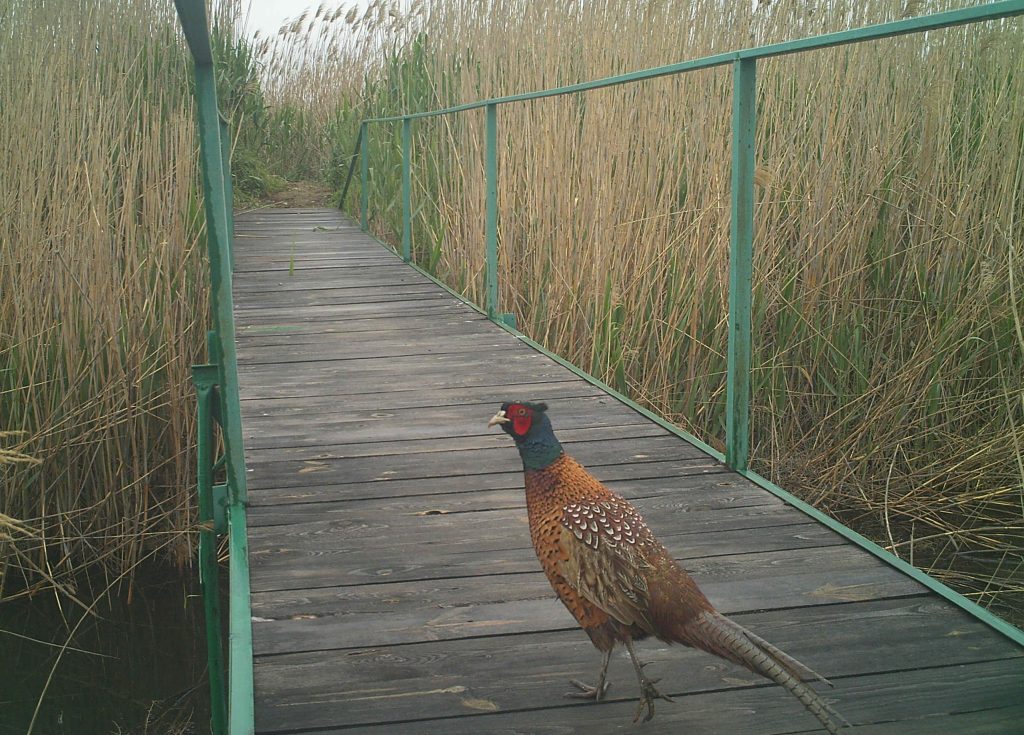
888	348
102	285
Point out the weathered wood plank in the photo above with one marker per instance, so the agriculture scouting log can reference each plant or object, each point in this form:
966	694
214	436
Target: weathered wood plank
761	711
279	287
335	347
460	321
339	428
331	297
457	463
301	629
693	494
395	373
458	532
781	577
284	559
420	398
379	448
668	473
422	305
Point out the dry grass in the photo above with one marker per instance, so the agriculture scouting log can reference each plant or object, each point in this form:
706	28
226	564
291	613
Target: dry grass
102	285
888	354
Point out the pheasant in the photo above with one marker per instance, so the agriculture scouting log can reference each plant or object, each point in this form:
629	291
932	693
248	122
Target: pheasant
618	581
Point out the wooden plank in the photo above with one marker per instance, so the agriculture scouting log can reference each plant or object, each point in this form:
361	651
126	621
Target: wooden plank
293	556
304	630
334	348
281	286
675	474
395	374
882	707
433	445
282	257
453	464
427	305
464	322
421	397
384	273
382	340
523	360
780	577
465	420
694	494
347	616
437	526
330	297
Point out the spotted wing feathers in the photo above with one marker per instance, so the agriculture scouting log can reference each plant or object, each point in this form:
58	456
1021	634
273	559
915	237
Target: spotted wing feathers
606	564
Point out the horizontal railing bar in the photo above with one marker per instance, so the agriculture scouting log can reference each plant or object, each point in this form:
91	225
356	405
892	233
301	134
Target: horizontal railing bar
936	21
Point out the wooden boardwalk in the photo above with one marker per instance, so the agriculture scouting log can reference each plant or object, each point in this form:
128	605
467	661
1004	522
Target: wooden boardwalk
394	589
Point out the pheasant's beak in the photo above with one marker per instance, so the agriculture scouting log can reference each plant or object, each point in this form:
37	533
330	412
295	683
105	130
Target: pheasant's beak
498	418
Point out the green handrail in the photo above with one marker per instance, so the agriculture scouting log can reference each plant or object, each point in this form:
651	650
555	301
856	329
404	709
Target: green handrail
744	69
233	713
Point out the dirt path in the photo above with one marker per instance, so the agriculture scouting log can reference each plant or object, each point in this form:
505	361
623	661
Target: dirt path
302	194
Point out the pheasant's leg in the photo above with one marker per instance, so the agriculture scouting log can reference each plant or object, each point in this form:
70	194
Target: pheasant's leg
648	693
593	692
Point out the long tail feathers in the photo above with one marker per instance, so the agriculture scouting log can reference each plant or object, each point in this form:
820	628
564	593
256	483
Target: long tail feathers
717	634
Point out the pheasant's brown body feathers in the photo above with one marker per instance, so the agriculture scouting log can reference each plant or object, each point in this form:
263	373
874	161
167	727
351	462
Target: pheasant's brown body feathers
602	559
545	505
617	580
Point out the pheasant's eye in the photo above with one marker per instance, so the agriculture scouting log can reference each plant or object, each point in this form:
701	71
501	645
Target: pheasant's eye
520	411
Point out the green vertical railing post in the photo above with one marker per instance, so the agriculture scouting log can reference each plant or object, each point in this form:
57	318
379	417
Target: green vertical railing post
229	193
491	165
205	378
406	189
737	395
364	177
241	703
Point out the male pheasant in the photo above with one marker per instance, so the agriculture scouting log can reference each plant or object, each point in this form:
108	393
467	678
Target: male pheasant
618	581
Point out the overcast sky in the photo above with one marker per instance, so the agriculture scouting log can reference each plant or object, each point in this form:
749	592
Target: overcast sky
267	16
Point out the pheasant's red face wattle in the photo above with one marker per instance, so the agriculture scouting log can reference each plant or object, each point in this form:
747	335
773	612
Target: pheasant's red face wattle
522	418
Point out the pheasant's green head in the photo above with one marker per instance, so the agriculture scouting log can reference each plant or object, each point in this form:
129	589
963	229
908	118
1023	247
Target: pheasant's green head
529	425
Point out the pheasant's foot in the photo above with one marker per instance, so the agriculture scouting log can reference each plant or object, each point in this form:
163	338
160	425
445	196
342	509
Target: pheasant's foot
586	691
597	691
648	693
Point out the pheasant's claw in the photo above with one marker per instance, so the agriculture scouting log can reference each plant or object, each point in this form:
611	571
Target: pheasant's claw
648	694
586	691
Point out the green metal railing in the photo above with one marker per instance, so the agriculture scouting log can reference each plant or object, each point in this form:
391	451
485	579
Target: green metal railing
221	505
744	123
